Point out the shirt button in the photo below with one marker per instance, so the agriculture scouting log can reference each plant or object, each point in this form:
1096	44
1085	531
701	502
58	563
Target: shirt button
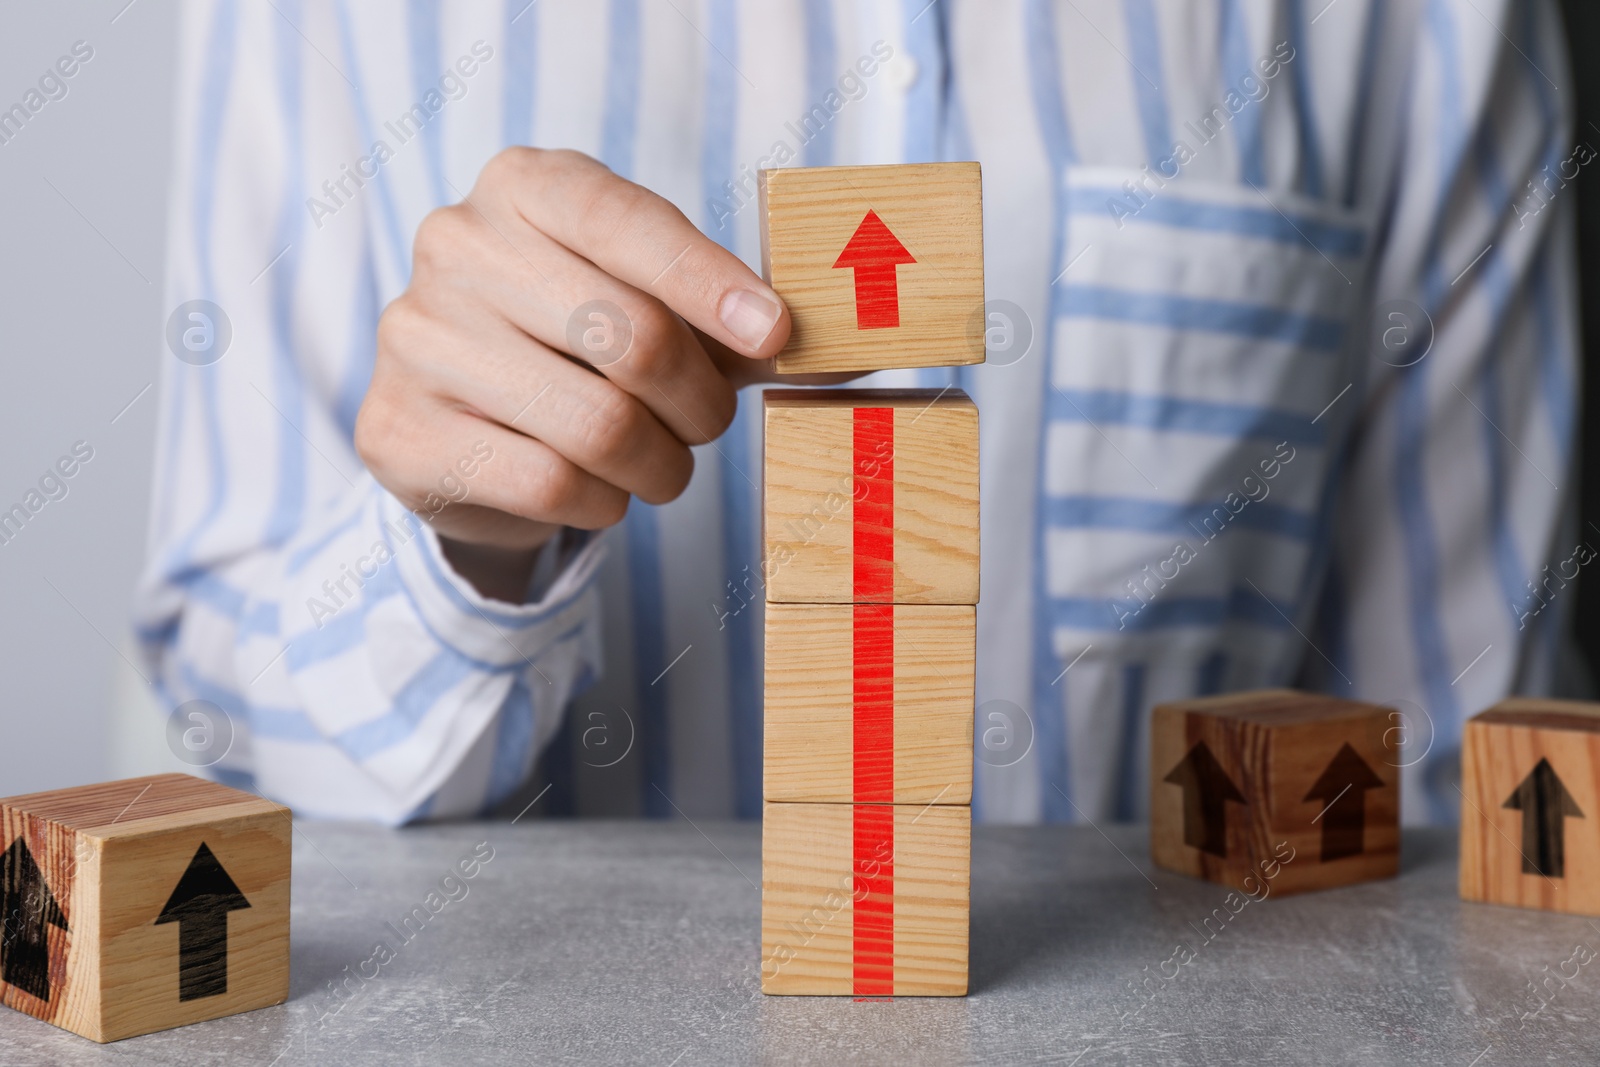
901	71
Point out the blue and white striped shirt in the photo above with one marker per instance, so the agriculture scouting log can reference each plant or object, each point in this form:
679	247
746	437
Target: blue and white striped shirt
1282	390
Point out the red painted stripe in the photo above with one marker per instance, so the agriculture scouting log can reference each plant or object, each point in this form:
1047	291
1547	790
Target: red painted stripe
873	712
873	913
877	297
874	505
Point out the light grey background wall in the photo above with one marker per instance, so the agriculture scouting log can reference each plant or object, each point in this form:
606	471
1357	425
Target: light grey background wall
83	205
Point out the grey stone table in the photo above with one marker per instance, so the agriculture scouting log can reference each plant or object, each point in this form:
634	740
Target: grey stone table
639	943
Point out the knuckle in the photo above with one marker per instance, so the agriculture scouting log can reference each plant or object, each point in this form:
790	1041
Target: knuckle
509	165
554	173
612	507
556	490
440	235
615	208
563	158
724	405
607	427
678	480
668	476
547	489
375	429
656	333
396	326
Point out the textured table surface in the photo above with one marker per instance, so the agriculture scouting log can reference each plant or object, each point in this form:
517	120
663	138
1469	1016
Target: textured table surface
639	943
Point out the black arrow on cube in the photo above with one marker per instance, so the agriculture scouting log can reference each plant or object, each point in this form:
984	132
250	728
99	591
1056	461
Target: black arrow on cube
1206	789
1344	786
28	910
1545	805
200	904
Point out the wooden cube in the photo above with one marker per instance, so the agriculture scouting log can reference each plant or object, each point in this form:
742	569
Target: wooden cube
871	495
144	904
880	266
1288	789
869	703
865	900
1530	815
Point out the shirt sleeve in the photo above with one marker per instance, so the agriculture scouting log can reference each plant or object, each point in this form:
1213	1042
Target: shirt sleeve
359	676
1457	503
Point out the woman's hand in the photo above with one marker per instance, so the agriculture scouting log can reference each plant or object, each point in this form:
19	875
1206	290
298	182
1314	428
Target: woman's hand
578	329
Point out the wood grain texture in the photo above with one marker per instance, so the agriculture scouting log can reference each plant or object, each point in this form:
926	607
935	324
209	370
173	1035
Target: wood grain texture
120	808
935	210
1265	778
112	855
1521	844
807	899
1573	715
808	746
808	494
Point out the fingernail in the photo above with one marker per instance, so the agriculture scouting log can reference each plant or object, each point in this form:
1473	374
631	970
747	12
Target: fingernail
749	316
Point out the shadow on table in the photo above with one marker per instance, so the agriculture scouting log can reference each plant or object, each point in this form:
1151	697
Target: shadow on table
1087	898
1098	897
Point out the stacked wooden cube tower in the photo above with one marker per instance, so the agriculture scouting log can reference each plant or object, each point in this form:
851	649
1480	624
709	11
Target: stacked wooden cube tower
870	539
143	904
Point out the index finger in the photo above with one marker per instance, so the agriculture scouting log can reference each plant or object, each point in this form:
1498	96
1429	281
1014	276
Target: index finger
642	239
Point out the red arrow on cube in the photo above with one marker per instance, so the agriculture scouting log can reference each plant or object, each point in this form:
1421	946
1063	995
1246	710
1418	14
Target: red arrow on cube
874	252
